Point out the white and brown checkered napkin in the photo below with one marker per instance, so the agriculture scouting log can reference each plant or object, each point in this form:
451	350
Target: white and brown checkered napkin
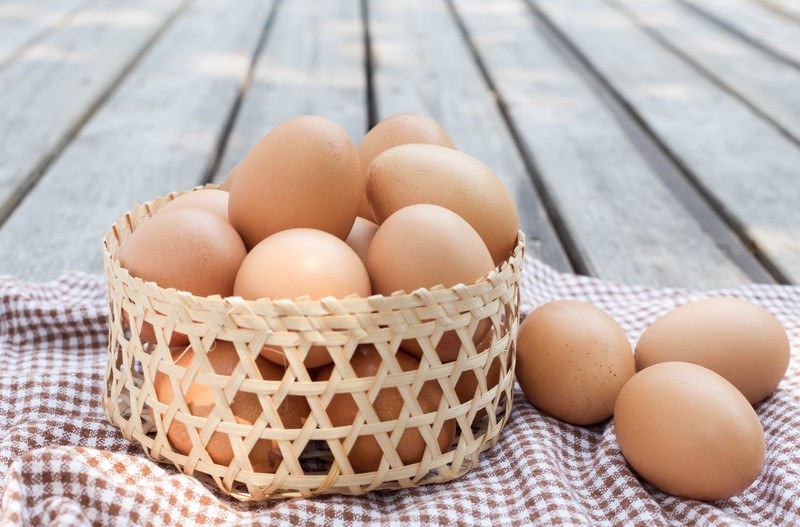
64	464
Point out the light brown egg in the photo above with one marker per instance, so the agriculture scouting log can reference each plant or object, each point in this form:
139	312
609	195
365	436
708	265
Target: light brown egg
424	246
188	249
399	129
689	432
265	455
228	181
209	199
739	340
410	174
360	237
301	262
572	361
303	173
366	453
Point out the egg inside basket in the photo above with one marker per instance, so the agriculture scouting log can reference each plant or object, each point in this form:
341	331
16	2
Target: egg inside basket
271	454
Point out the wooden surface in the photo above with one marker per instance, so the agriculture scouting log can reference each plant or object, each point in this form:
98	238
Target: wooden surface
647	142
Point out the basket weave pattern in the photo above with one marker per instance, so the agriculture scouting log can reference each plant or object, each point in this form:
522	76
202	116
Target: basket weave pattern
315	456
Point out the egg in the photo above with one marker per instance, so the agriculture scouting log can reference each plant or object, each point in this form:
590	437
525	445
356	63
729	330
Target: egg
410	174
265	455
212	200
689	432
424	246
303	174
399	129
360	237
188	249
366	452
572	361
301	262
737	339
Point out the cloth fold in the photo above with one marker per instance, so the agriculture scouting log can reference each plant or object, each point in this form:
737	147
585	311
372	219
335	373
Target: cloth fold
63	464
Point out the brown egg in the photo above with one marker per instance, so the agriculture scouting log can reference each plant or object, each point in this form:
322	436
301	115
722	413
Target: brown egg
366	453
424	246
304	173
212	200
572	361
409	174
301	262
399	129
360	237
689	432
739	340
265	455
188	249
228	181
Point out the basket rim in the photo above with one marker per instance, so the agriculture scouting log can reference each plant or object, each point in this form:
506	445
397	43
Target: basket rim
112	265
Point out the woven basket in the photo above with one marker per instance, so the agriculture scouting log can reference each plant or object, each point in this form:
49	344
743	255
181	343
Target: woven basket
315	457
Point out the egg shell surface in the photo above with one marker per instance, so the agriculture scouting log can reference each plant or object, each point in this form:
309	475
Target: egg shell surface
411	174
689	432
739	340
572	361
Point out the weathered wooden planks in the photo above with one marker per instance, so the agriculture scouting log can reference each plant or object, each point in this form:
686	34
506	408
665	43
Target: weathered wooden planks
789	8
49	90
621	216
754	22
157	133
22	22
313	62
745	165
422	63
769	85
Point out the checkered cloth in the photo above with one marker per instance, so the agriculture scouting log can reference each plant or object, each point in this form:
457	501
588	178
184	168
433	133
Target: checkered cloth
64	464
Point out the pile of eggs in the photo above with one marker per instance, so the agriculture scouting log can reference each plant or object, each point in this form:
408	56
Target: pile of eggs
305	215
685	421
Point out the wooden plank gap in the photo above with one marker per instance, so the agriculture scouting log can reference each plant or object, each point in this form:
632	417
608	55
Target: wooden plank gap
709	212
739	92
48	24
372	107
15	196
227	128
734	30
573	254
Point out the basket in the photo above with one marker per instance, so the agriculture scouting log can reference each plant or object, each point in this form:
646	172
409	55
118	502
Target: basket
313	458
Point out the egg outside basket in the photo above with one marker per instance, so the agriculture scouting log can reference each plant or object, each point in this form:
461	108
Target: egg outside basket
315	456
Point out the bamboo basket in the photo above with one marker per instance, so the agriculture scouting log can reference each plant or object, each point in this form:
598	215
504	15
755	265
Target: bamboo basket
314	457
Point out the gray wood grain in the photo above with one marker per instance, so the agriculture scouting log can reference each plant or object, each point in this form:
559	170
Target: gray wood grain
789	8
751	169
623	219
761	26
768	84
423	64
22	22
48	91
312	63
156	134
